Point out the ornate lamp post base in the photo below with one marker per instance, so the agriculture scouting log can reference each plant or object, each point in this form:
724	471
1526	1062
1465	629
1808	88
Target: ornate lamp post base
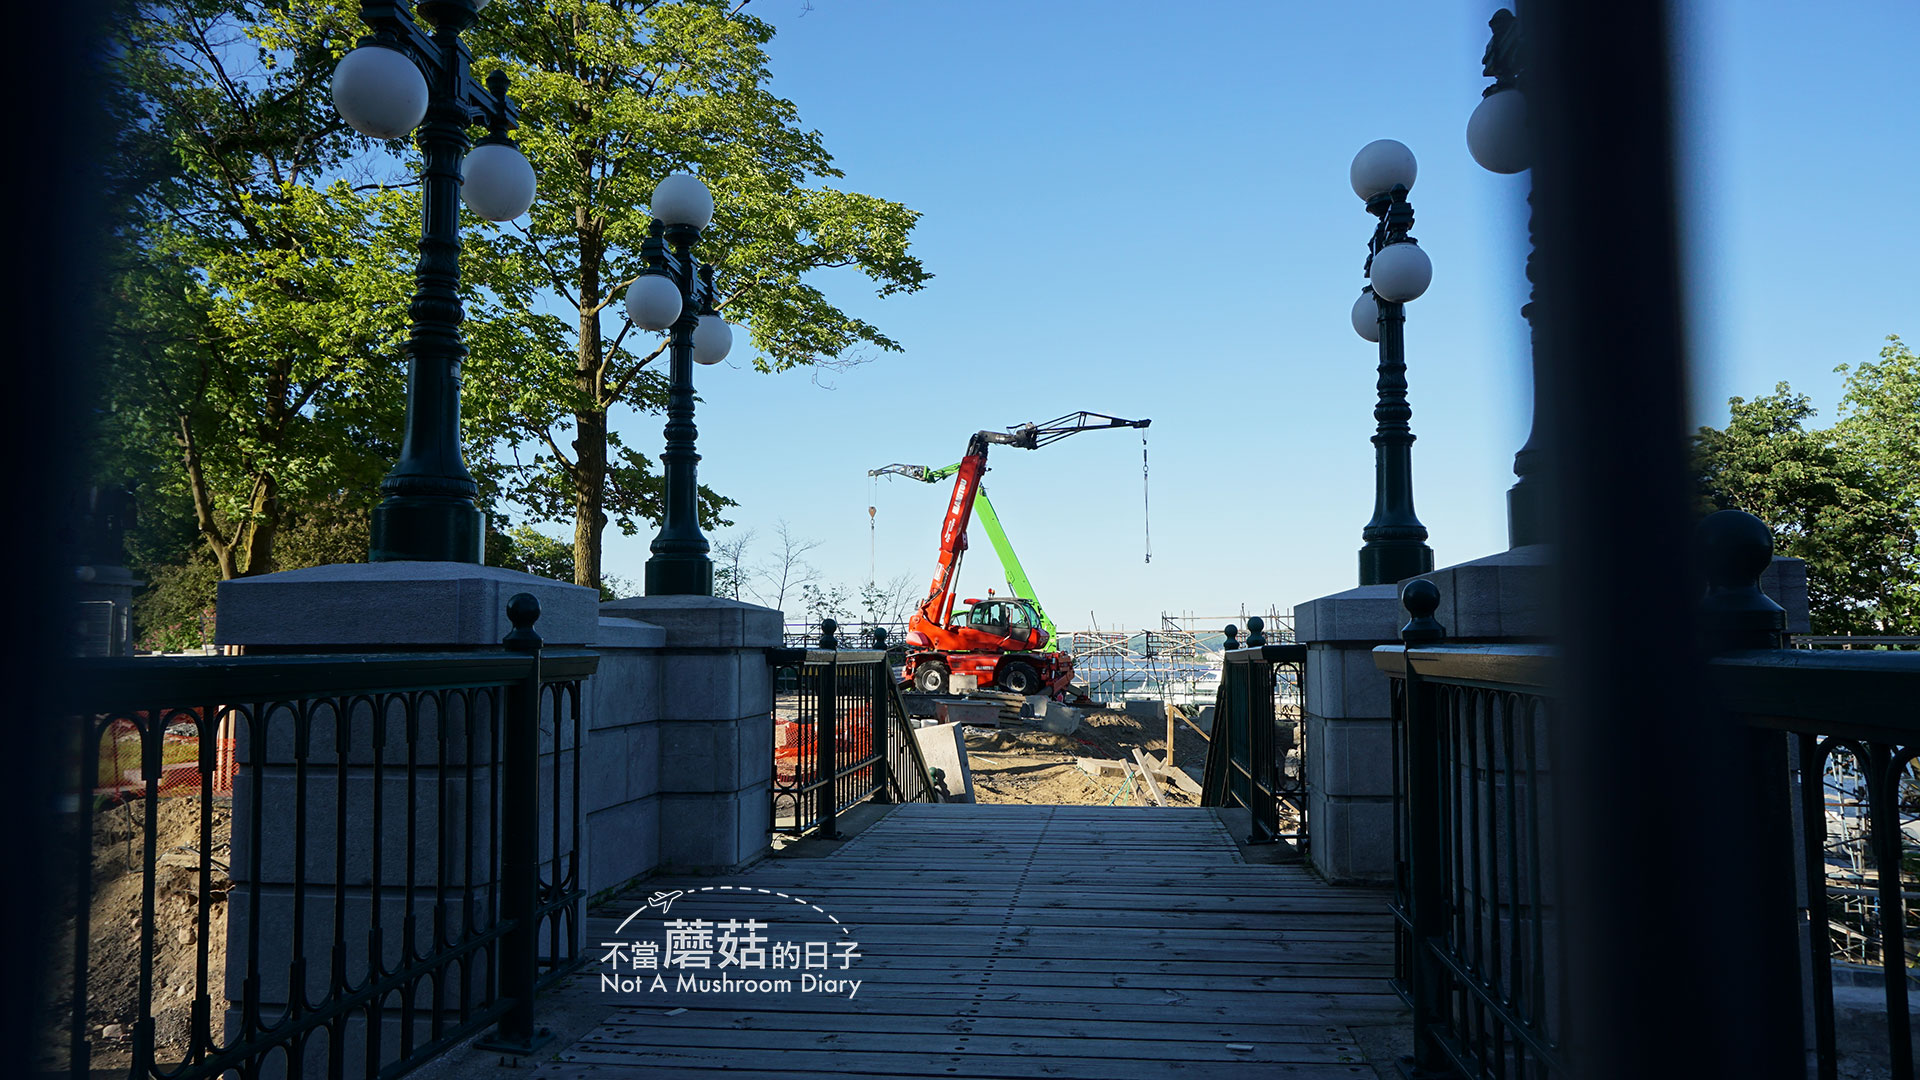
1526	513
1390	561
433	528
679	574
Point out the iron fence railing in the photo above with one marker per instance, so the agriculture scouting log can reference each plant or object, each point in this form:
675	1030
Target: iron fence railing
841	737
1256	752
1855	641
1477	950
1851	721
345	863
1477	899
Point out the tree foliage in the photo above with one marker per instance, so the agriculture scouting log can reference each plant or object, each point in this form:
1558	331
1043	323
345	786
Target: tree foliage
528	550
1846	499
615	95
257	294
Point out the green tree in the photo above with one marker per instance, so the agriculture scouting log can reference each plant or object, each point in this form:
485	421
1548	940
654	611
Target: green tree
1845	499
257	295
615	95
1879	428
527	549
262	268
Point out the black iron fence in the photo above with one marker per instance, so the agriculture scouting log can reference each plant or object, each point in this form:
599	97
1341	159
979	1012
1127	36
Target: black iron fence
1851	721
1256	751
323	865
1477	948
1477	900
841	736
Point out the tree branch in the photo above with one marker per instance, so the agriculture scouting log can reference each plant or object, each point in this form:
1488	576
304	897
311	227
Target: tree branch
559	282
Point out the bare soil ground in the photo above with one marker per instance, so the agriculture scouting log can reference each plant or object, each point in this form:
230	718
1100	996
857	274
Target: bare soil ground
113	933
1020	764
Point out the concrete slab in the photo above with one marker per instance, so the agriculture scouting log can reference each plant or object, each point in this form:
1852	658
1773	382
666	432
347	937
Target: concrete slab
1057	719
977	713
945	748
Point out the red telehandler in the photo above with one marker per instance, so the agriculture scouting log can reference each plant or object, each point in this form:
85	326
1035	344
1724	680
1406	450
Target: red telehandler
999	641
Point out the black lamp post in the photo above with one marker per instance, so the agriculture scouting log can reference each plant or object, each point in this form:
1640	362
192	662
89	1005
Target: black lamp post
1496	137
397	76
675	293
1395	545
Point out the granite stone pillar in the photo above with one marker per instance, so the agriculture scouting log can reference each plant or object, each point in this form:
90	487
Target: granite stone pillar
447	747
712	735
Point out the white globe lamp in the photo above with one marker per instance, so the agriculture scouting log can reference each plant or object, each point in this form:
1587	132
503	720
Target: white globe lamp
681	199
1401	272
653	302
497	182
379	92
712	340
1497	132
1366	317
1381	166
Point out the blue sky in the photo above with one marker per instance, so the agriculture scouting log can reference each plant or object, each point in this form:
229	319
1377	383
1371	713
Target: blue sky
1142	209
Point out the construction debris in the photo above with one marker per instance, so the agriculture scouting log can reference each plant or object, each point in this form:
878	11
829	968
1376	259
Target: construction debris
1146	773
1027	764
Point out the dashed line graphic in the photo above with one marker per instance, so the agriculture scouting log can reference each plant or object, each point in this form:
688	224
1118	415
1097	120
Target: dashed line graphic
664	901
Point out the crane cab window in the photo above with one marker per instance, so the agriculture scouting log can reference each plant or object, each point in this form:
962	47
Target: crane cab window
989	616
1017	616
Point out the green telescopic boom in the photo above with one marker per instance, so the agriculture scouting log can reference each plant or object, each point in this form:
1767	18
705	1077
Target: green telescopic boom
1028	437
1017	581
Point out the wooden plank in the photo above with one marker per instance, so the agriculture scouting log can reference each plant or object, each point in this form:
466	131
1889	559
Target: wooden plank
609	1062
1274	1003
1146	773
1008	941
1040	1045
942	1021
808	1008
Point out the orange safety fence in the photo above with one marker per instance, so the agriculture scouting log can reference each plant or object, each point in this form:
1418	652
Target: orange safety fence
120	770
853	738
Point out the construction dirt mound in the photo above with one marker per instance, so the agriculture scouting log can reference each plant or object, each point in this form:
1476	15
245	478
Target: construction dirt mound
113	934
1017	763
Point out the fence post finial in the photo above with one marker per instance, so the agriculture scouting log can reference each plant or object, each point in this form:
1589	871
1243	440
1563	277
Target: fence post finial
879	637
1421	598
1735	547
1256	632
523	610
827	640
1233	637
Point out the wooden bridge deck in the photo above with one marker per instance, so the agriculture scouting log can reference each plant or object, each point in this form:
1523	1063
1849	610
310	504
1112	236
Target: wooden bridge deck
1011	941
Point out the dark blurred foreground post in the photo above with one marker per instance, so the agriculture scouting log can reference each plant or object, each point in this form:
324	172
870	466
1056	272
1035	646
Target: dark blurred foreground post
54	306
1674	970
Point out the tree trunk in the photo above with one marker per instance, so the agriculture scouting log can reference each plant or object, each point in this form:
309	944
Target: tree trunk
223	550
263	527
590	419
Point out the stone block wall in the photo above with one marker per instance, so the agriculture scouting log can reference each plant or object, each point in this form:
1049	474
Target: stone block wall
706	779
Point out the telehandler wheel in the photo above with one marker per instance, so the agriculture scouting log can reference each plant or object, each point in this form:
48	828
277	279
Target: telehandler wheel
1019	677
930	677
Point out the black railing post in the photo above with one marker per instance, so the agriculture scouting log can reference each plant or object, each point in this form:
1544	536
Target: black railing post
1263	796
881	690
1426	847
519	837
825	735
1735	548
